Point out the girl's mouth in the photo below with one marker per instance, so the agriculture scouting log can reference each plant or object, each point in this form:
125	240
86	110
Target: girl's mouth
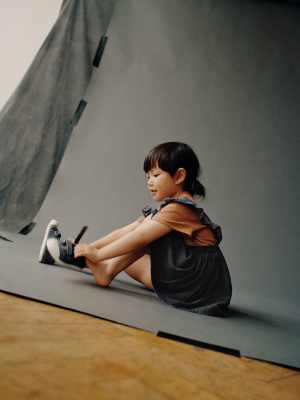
153	192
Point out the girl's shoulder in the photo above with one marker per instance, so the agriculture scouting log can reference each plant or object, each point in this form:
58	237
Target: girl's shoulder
183	201
180	208
190	210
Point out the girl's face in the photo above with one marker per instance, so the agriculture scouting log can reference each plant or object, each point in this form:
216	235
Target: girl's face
161	184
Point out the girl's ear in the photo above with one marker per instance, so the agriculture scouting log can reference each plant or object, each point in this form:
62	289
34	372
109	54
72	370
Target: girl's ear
180	175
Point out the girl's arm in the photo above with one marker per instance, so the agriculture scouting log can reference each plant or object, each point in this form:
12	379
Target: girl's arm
111	237
145	233
115	235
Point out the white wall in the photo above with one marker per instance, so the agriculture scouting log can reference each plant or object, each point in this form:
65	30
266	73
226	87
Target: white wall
24	25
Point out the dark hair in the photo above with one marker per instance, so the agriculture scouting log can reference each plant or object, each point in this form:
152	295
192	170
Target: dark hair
170	157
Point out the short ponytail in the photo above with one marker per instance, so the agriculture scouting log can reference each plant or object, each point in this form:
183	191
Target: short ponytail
197	189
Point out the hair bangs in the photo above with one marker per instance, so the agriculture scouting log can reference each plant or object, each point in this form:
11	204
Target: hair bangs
170	157
163	157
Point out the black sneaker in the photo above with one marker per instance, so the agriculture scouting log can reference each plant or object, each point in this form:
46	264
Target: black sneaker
63	252
51	232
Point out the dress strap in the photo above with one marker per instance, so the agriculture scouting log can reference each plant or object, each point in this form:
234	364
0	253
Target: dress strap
205	220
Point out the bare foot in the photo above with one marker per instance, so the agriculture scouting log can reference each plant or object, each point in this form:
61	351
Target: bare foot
100	272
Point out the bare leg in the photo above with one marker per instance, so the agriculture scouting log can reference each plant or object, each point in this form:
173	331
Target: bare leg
137	263
140	271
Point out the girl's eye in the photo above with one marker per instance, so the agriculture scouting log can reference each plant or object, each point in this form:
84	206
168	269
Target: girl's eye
155	176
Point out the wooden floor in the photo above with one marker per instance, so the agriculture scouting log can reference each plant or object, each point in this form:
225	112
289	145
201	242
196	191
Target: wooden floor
51	353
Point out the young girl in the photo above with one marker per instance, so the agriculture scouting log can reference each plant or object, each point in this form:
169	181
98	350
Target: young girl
173	248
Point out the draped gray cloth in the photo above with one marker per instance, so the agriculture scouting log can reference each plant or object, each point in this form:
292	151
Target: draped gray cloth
35	122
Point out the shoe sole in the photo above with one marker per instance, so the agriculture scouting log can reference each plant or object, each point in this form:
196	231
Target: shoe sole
53	249
51	223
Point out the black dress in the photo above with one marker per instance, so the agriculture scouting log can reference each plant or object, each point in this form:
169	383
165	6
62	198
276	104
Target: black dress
192	278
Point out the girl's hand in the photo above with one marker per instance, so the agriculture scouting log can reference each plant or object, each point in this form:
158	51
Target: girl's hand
72	240
84	250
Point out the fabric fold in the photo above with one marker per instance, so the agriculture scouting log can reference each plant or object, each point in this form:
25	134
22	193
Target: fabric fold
35	122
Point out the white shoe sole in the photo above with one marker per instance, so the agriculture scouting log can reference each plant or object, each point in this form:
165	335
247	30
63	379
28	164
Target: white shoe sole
52	222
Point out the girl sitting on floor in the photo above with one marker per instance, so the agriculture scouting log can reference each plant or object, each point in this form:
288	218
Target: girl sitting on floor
173	248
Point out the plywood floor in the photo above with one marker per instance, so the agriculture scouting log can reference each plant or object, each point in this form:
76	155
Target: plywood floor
51	353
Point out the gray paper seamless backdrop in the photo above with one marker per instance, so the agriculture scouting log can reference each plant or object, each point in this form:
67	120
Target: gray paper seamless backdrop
222	76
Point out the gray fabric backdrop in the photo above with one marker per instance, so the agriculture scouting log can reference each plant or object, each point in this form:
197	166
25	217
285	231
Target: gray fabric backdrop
35	123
